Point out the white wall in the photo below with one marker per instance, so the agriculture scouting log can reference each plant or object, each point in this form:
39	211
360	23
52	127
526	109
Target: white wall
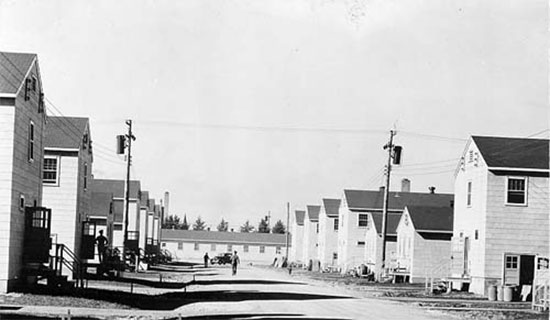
297	248
7	115
310	240
328	240
189	253
350	254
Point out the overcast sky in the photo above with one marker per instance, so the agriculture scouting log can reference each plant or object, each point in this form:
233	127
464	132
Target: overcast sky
240	106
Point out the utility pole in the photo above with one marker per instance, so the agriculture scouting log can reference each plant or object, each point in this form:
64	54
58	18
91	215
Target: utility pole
287	226
129	138
389	146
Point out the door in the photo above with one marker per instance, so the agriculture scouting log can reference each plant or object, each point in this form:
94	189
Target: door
37	241
466	256
87	246
526	269
511	269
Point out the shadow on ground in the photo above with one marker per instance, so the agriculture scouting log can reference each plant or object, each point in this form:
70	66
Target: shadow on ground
242	281
256	316
173	300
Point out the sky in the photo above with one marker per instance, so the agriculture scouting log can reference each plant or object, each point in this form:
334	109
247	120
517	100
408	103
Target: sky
241	106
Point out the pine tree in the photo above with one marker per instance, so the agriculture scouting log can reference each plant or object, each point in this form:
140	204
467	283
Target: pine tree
171	222
185	225
263	227
199	224
223	226
247	227
279	227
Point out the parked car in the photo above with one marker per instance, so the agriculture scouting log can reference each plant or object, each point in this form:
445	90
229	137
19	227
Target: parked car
221	258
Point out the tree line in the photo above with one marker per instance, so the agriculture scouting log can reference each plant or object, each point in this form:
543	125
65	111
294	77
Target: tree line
175	222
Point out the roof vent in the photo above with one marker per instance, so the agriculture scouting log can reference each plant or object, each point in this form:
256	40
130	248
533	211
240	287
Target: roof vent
432	189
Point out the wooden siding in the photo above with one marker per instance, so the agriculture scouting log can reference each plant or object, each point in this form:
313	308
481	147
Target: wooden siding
296	250
310	240
350	254
7	121
328	239
515	229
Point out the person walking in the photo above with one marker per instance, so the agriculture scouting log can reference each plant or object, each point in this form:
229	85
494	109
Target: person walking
206	258
235	262
102	242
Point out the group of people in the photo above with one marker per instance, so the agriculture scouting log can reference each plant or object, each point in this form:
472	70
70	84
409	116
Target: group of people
235	261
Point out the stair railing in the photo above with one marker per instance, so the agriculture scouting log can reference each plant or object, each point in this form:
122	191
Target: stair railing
65	257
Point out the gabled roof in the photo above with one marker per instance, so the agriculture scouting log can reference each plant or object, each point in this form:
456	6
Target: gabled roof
360	200
101	203
313	213
300	215
393	221
522	153
144	199
251	238
332	207
13	68
431	218
116	187
65	132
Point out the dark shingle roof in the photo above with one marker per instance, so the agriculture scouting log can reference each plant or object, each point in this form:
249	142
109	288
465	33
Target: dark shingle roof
101	203
332	207
65	132
13	68
522	153
300	215
116	187
366	199
224	237
431	218
393	221
313	213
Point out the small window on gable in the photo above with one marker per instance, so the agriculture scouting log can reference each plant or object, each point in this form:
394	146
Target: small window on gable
363	220
28	85
33	83
336	224
30	142
317	227
471	156
516	191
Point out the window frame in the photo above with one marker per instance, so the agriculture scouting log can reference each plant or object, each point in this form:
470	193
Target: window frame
469	188
262	249
30	142
51	182
507	191
366	215
361	243
85	182
196	246
336	224
245	248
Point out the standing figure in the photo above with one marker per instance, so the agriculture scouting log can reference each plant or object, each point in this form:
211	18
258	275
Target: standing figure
102	242
206	258
235	262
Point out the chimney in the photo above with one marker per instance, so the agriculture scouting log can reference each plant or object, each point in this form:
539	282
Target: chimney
232	230
405	185
208	229
452	203
166	203
432	189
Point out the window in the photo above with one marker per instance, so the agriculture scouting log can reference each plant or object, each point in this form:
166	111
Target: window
361	243
49	174
511	262
278	250
85	176
317	227
471	156
336	224
27	89
245	248
180	245
363	220
469	194
335	256
163	244
229	248
22	202
197	246
476	234
213	247
31	142
516	191
33	83
262	249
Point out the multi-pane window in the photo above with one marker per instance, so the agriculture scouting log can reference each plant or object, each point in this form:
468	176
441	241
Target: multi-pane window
31	142
317	227
213	247
197	246
516	191
336	224
469	194
278	250
363	220
511	262
180	245
229	248
245	248
361	243
335	256
262	249
49	174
